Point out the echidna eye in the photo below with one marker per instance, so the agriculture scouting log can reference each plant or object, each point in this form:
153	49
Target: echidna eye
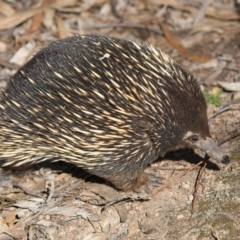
194	138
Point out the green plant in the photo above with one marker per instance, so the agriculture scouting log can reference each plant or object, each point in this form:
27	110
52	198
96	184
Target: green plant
213	96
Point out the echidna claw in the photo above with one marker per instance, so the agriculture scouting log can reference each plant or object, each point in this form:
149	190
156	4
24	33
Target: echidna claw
154	181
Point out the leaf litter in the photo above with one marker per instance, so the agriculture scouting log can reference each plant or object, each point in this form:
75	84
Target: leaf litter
204	37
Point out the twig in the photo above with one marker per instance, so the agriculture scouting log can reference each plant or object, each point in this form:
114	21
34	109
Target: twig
51	192
226	108
176	178
95	230
68	189
229	138
199	178
215	235
32	193
8	64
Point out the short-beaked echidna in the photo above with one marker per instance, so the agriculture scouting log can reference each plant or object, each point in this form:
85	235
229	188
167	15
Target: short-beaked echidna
107	105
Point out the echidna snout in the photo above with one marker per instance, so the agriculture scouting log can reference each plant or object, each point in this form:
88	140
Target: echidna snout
212	150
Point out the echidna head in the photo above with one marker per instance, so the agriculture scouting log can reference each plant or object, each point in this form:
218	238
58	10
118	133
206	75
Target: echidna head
189	112
206	144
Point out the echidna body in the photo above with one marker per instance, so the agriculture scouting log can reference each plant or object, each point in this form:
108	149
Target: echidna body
107	105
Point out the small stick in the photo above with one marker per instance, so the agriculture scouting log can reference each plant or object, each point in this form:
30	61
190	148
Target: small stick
29	192
226	108
176	178
229	138
199	178
8	64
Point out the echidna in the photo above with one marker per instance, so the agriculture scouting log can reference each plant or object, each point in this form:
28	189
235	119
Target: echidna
107	105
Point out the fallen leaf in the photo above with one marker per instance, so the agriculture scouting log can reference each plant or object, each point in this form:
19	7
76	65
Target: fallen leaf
24	15
23	53
10	218
62	30
6	9
233	86
176	43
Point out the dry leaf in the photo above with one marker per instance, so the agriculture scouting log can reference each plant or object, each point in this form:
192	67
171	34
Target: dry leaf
32	204
175	42
47	223
222	14
62	30
233	86
36	23
48	19
3	46
6	9
37	19
23	53
72	211
211	11
23	16
19	18
10	218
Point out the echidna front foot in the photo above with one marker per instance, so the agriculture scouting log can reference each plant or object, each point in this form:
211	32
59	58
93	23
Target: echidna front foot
153	181
144	182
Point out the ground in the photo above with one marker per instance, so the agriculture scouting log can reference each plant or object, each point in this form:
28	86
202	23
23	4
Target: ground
59	201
